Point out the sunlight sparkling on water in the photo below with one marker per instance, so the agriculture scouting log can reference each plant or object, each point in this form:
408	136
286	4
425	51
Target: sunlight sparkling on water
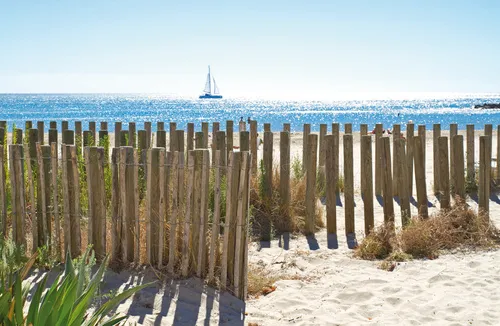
16	108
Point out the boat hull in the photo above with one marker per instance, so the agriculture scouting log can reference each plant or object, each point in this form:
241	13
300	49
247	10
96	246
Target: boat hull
210	96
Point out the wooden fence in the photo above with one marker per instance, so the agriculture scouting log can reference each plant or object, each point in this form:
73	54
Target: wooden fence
185	206
173	209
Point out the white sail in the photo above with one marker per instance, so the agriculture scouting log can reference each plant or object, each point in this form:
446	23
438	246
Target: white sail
208	87
216	89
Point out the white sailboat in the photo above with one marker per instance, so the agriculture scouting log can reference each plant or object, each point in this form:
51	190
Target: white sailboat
209	91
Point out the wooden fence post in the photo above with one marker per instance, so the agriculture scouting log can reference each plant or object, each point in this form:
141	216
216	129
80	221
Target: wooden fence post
40	126
348	128
142	151
94	161
349	191
396	136
268	181
68	137
93	128
17	136
160	126
363	129
421	133
190	137
322	134
172	137
305	147
88	139
267	127
453	133
127	200
164	187
116	207
118	132
287	127
336	146
214	239
147	127
64	126
244	142
179	139
229	137
312	159
55	198
177	181
18	194
124	138
53	135
458	152
253	145
31	196
367	182
331	189
402	177
420	176
153	205
484	174
378	160
78	136
199	140
471	171
285	174
220	145
241	229
444	175
53	124
161	138
103	126
488	131
43	154
71	200
410	131
215	129
195	160
202	249
131	134
387	185
436	133
227	268
204	129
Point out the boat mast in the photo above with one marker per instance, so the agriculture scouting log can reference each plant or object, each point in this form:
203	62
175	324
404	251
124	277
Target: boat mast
209	81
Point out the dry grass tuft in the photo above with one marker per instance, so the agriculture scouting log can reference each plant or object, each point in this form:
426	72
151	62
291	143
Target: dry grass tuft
261	280
270	209
456	228
378	244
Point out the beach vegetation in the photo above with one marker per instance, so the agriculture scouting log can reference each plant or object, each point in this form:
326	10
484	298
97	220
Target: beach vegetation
282	219
65	302
459	228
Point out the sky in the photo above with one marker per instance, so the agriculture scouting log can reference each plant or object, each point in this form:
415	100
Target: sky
257	49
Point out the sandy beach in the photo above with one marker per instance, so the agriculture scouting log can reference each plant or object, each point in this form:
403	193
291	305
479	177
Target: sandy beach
322	286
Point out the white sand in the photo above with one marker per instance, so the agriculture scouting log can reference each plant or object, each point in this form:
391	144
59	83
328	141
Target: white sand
332	287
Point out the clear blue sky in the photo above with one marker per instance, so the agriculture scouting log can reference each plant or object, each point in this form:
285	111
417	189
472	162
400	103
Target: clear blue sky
280	49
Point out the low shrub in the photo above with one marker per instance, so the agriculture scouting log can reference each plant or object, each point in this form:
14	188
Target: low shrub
456	228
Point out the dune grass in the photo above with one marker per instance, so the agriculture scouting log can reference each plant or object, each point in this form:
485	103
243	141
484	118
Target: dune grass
458	228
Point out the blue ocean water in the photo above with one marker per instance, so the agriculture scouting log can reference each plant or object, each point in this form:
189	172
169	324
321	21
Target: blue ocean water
17	108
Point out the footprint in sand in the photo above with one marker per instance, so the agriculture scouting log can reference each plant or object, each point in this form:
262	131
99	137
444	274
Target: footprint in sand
355	297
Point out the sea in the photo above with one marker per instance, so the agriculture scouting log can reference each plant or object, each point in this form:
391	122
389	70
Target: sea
17	108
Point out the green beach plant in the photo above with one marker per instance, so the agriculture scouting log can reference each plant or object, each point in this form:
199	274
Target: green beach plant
66	301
